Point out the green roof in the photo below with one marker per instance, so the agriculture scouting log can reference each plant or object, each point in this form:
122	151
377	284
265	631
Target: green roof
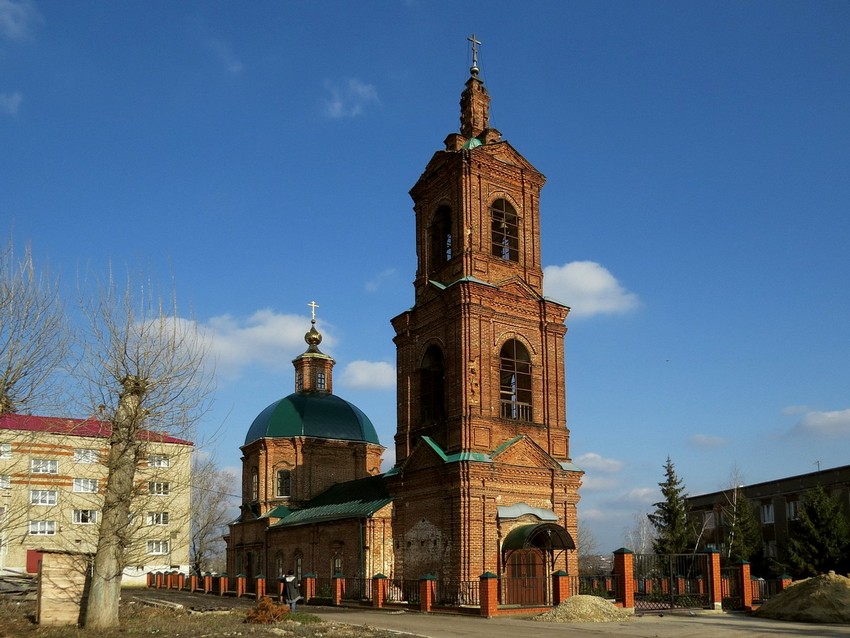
320	415
353	499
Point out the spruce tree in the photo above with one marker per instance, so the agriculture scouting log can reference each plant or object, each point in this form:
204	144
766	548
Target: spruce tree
670	518
819	539
745	538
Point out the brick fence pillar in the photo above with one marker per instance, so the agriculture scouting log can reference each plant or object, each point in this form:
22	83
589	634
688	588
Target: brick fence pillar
784	582
260	586
223	584
426	592
624	577
489	594
745	585
240	585
309	586
338	589
193	582
715	581
560	587
379	590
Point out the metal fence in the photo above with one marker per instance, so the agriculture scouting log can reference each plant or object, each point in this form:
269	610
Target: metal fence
671	581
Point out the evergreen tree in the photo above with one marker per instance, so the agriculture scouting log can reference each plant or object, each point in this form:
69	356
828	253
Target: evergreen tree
818	539
670	519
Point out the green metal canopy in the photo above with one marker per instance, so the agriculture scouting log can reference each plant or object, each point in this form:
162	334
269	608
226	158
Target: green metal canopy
539	536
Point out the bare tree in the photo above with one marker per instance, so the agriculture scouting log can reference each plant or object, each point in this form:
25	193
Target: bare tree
589	561
213	505
144	371
33	334
640	537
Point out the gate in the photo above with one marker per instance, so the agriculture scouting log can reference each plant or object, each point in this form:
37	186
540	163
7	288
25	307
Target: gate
525	582
671	581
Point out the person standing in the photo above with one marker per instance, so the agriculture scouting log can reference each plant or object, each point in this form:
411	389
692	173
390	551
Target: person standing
291	590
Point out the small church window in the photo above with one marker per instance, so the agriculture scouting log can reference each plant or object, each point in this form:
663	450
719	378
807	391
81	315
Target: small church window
440	238
505	230
299	382
336	565
255	484
284	483
432	392
320	381
515	381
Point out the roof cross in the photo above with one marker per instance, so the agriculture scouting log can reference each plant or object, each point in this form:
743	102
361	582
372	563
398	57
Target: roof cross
313	305
475	45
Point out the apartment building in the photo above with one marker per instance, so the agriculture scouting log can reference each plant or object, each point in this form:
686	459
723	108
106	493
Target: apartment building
52	480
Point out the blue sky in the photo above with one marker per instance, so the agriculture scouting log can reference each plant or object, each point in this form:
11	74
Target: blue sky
257	156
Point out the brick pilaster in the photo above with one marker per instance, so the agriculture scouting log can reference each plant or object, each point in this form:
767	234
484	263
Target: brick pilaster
624	577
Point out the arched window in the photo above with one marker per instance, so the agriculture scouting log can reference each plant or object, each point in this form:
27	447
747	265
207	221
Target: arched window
505	230
515	381
255	484
283	484
432	390
440	238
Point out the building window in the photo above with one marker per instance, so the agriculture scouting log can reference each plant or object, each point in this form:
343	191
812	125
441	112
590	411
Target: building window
284	483
5	482
86	485
320	381
158	488
515	381
505	230
255	484
42	497
792	510
42	528
432	390
299	382
440	238
85	517
769	549
158	460
82	455
5	451
336	565
44	466
158	547
157	518
767	513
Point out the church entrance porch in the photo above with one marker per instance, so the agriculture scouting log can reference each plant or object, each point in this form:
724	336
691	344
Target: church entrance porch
529	556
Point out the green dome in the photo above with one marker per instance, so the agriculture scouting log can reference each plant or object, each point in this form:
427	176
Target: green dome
319	415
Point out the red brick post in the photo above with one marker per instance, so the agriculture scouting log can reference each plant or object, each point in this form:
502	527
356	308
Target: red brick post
260	591
223	584
309	586
193	582
338	589
241	581
745	585
624	577
151	580
489	594
181	581
207	583
784	582
379	590
560	587
426	592
715	581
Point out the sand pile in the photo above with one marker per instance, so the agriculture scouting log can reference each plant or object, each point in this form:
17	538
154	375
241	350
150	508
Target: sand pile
823	598
585	609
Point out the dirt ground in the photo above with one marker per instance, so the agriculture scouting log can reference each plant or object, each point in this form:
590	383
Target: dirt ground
821	599
17	620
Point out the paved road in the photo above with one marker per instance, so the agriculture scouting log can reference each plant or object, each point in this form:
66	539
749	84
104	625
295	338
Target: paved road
711	625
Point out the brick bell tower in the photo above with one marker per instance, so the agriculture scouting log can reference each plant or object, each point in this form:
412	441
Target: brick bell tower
482	445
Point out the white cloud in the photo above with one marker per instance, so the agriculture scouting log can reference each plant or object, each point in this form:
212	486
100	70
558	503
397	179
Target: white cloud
368	375
10	102
637	496
596	483
225	55
795	409
588	288
17	18
704	440
594	461
377	281
264	338
832	423
348	98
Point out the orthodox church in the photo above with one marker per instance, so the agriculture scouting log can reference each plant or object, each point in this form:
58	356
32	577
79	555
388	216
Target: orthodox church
483	480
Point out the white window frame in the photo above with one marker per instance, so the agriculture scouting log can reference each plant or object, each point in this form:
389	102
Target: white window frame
42	497
159	488
44	466
159	460
5	451
85	517
767	516
42	528
792	509
86	455
85	486
159	548
158	518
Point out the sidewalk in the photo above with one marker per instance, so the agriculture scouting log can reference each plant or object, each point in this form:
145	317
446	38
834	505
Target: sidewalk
435	625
